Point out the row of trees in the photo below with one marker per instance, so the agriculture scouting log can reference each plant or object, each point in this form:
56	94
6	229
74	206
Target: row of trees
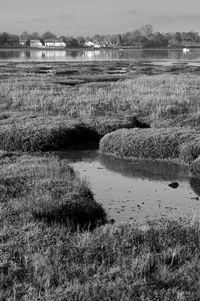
7	39
142	37
146	37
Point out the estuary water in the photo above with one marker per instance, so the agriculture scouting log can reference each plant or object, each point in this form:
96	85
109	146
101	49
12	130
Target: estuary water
137	190
99	55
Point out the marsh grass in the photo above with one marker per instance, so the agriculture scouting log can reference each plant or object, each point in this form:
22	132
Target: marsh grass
42	134
38	114
36	188
159	98
157	261
164	143
50	248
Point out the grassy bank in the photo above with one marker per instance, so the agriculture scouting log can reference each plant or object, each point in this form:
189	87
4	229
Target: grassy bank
163	143
114	262
196	167
42	133
35	188
43	104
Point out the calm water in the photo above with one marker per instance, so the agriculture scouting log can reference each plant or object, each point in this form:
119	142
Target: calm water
137	190
99	55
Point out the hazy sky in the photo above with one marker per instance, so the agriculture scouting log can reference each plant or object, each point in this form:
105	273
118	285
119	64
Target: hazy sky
87	17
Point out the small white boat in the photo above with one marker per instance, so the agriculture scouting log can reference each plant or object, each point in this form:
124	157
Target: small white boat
186	50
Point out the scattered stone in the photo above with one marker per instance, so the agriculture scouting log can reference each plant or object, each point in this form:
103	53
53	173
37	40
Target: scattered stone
112	221
174	185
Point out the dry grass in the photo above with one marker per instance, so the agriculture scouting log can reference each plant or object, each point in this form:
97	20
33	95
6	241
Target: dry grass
158	97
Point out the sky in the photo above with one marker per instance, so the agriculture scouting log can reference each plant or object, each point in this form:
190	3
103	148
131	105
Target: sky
89	17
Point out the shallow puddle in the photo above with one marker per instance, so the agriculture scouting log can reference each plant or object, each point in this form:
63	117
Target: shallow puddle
137	190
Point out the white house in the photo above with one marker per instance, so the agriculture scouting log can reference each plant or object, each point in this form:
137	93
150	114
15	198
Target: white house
89	44
35	43
97	44
54	43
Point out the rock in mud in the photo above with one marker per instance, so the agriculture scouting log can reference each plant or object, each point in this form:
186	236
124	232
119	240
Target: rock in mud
174	185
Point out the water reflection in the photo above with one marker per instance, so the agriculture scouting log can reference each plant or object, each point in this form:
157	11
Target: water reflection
74	54
156	170
100	54
137	190
6	55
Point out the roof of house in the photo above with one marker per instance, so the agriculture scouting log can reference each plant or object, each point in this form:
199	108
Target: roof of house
35	41
53	41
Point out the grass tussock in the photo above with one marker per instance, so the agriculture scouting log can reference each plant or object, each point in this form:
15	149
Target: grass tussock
39	133
118	262
163	143
35	188
42	134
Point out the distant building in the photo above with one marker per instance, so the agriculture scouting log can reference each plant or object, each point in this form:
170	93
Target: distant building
35	44
22	43
89	44
54	43
97	44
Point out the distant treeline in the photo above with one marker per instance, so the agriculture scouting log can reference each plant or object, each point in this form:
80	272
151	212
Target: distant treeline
143	37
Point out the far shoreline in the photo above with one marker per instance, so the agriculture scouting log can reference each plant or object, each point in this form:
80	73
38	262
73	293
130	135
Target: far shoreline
91	49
